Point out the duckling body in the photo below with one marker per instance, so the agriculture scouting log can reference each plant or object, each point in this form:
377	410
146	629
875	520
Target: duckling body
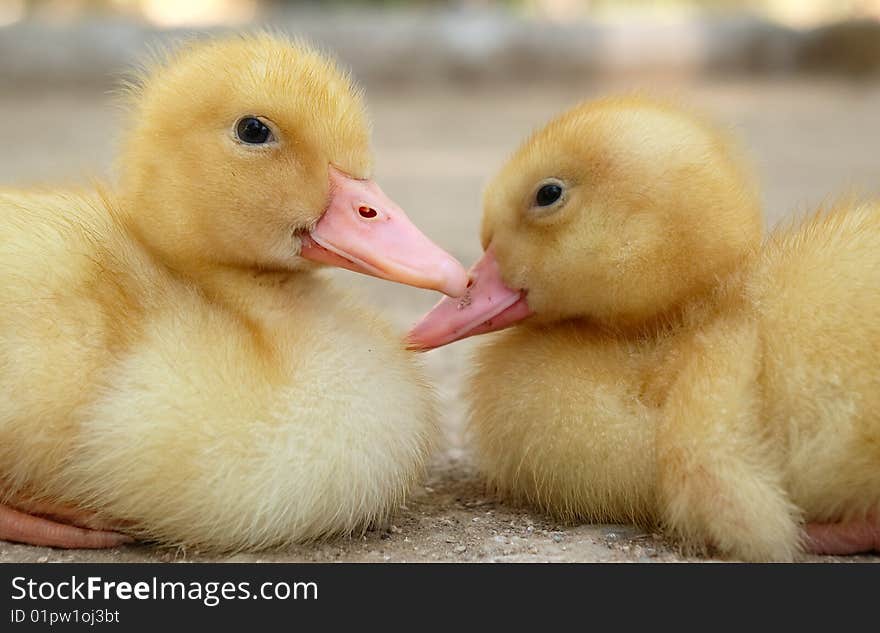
733	403
210	420
176	388
764	395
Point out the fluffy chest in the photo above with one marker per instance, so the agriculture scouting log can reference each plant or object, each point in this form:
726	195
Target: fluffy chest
559	418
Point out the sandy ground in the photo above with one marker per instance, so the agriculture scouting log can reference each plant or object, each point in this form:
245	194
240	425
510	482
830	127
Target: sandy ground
435	150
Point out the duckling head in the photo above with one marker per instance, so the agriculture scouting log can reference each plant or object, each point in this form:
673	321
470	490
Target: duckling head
254	152
616	212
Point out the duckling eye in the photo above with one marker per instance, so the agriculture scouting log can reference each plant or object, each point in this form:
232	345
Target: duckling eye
548	194
252	131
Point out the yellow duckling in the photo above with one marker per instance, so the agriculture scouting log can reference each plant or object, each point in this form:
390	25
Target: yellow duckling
171	362
672	368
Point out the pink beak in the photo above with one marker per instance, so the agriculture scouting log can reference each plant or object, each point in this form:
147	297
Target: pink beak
488	305
364	231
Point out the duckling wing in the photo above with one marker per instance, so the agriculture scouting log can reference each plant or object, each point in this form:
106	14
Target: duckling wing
817	292
64	311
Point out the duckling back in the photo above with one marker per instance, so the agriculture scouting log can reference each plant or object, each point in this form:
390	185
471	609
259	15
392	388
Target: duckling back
816	291
63	312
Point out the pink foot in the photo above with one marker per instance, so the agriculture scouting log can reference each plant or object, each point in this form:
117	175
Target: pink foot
852	537
34	530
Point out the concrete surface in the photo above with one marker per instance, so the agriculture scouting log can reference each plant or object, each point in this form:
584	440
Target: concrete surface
435	149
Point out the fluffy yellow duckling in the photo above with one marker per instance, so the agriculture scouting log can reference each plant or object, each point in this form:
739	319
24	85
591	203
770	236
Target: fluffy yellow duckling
671	367
171	362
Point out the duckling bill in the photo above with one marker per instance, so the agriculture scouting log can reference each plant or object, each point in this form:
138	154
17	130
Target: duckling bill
175	367
487	305
365	231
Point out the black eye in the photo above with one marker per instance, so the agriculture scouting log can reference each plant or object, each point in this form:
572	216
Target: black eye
252	131
548	194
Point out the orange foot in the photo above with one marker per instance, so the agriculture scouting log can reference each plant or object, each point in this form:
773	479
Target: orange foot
852	537
37	523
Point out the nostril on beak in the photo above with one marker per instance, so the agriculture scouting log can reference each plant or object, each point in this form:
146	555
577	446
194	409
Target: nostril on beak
367	212
470	282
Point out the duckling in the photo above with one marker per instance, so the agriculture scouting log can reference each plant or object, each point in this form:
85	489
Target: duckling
175	366
670	366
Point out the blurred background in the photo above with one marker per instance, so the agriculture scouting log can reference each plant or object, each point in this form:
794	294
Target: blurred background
453	87
455	84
